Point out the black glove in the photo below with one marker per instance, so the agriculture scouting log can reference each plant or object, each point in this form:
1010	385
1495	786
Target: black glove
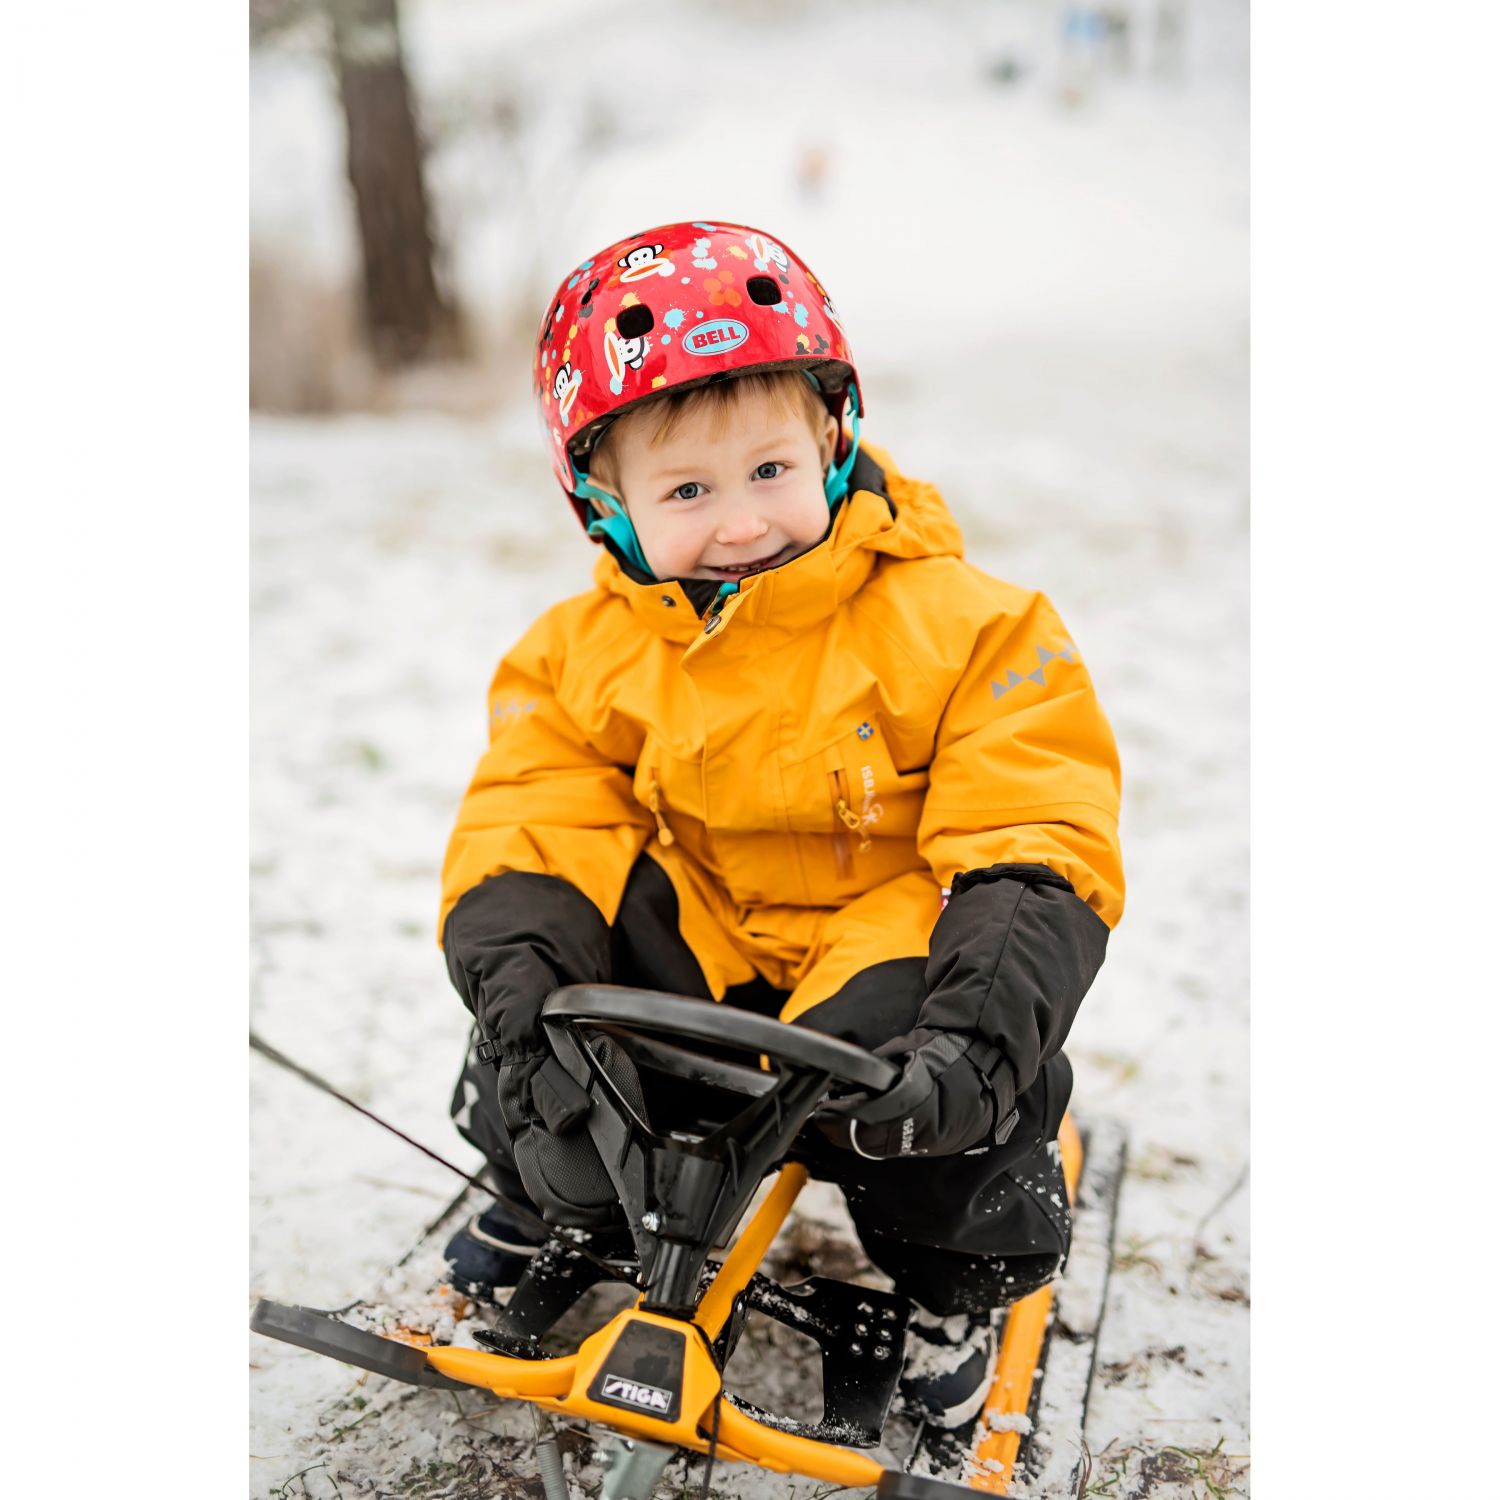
535	1088
954	1093
509	942
543	1108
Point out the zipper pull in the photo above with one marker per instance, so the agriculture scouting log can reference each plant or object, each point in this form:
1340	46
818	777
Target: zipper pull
854	823
715	616
665	834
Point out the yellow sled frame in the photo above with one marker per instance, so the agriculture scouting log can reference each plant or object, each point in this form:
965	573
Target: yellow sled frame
562	1384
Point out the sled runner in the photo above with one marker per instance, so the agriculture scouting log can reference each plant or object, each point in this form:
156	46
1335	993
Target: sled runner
658	1376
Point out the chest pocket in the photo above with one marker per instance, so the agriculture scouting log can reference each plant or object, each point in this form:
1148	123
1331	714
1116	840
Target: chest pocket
880	798
853	791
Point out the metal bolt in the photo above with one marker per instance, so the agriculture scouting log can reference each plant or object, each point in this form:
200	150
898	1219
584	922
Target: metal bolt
651	1221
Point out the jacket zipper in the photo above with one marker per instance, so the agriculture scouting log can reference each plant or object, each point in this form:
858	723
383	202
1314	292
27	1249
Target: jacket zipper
665	834
849	821
715	615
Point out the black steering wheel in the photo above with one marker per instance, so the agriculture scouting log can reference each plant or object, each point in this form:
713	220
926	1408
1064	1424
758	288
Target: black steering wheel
682	1190
644	1021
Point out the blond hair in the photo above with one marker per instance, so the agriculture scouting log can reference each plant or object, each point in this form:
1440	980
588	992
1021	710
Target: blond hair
788	392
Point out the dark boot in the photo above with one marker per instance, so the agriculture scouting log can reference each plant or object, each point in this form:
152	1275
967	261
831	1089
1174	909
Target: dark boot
490	1253
950	1363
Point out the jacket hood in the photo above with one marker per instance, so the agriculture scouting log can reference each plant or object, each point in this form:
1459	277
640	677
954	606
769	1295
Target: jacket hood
885	515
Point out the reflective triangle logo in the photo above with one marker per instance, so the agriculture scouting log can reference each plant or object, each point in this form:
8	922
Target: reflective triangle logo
1038	674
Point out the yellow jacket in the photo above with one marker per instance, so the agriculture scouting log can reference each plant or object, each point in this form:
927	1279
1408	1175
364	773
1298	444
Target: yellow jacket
876	709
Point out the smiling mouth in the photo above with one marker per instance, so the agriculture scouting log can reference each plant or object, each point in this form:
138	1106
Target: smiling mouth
743	570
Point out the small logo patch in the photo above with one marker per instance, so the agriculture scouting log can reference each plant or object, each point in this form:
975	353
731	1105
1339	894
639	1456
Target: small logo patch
865	730
647	1397
716	337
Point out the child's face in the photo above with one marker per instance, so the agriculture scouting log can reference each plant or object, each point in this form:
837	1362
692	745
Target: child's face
726	505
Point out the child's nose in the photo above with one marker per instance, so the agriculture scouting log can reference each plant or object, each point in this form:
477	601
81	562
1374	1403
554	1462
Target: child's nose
741	527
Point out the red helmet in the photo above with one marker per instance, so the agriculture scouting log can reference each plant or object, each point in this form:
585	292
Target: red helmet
673	307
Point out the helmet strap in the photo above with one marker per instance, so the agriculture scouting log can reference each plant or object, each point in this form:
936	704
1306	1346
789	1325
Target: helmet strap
836	484
836	481
617	526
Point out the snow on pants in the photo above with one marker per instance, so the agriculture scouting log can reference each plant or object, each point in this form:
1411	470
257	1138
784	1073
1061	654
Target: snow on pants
955	1233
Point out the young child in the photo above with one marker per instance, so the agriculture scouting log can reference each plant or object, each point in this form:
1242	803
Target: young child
790	752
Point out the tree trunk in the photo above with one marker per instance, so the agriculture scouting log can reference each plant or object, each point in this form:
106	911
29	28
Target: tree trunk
405	314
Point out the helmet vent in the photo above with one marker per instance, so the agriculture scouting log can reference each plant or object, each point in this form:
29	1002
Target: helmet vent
764	291
634	321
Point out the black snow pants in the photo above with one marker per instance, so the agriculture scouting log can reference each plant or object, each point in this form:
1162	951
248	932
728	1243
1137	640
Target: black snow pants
954	1233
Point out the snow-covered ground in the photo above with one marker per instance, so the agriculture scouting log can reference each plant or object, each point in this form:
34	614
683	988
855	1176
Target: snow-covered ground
1075	384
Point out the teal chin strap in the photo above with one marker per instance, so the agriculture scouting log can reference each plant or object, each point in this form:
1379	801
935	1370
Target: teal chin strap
617	526
836	482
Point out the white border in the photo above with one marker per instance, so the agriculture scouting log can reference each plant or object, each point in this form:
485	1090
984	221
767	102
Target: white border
123	599
1374	406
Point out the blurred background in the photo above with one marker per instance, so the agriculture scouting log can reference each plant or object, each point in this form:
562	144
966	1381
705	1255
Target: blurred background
421	172
1033	218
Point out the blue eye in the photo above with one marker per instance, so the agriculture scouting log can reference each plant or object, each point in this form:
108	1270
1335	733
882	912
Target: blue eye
761	474
692	485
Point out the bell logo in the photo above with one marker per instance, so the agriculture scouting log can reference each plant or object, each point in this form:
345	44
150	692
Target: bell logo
716	337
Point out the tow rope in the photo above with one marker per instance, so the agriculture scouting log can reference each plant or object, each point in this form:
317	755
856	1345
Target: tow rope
526	1217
